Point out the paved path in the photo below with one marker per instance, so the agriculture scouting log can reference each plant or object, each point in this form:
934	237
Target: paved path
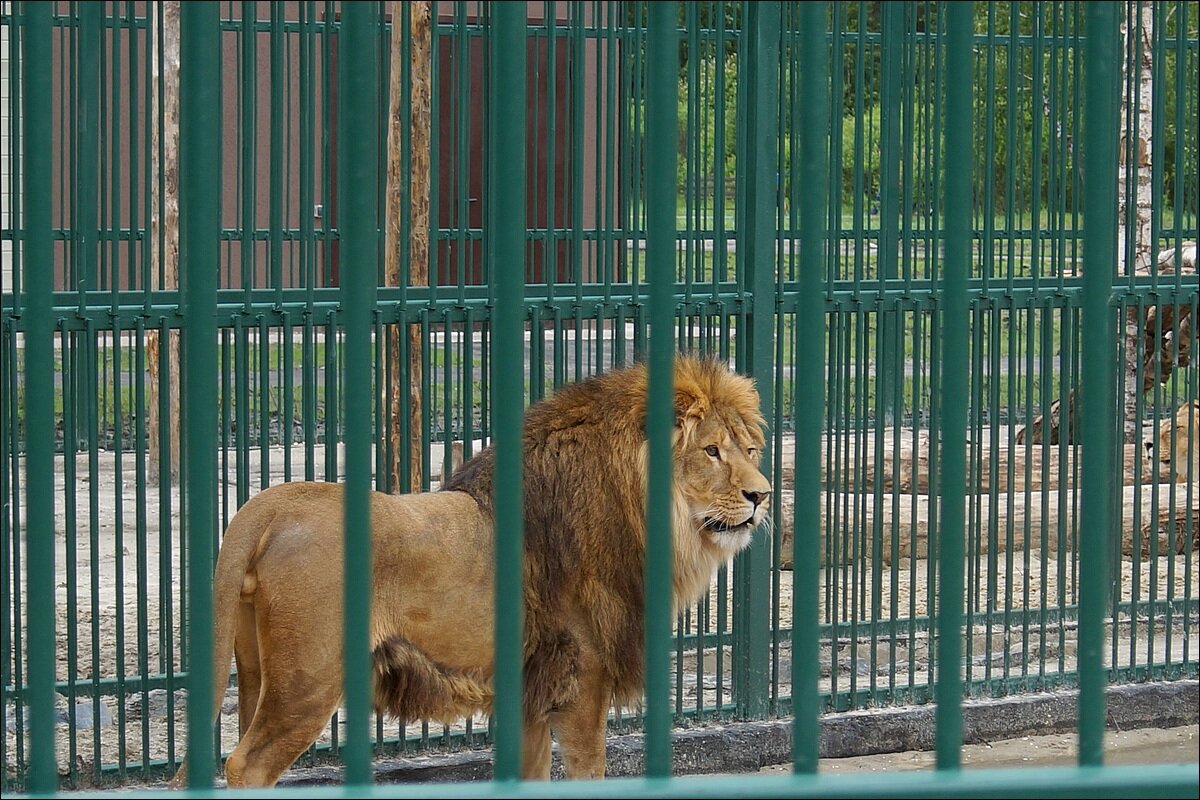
1143	746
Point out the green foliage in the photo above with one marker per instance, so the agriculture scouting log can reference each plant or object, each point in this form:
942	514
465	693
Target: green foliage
698	123
1027	101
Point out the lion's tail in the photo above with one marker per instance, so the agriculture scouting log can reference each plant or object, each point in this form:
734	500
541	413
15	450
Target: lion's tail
410	685
238	548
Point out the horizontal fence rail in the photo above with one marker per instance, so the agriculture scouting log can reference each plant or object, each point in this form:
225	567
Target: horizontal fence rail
249	243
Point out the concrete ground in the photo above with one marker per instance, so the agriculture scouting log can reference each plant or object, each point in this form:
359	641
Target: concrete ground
1178	745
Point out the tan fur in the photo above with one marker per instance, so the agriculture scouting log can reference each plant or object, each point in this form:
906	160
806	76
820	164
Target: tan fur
1178	443
278	584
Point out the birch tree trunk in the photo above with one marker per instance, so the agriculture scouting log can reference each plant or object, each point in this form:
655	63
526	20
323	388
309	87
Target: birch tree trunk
1137	32
1133	228
164	229
418	209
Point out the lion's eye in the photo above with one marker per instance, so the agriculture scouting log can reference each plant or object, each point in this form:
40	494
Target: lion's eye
752	451
713	450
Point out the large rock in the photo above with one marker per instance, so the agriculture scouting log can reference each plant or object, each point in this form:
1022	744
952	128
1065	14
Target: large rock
848	520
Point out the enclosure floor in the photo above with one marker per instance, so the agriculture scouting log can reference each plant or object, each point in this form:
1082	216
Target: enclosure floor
111	604
1179	745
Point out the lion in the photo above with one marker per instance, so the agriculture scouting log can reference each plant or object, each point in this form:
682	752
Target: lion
1178	444
279	575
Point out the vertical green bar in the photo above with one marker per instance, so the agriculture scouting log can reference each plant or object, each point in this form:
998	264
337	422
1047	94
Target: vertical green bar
85	191
199	152
810	387
506	242
889	223
248	136
358	232
662	153
959	19
753	565
276	197
39	406
1099	390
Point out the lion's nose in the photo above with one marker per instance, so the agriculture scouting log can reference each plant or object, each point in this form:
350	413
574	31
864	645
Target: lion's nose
756	497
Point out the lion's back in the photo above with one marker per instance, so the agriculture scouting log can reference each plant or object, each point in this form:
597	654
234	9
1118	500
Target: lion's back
301	521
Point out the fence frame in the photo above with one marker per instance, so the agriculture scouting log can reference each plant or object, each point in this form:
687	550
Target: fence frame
757	298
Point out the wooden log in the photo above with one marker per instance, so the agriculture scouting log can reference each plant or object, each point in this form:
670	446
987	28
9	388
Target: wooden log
848	521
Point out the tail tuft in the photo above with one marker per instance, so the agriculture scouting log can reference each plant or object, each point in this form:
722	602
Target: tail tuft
411	686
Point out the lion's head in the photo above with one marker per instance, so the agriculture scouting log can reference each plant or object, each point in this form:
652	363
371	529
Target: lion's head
719	494
586	482
1176	439
718	445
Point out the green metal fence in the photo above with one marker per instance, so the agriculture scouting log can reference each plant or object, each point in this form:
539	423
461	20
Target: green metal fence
916	294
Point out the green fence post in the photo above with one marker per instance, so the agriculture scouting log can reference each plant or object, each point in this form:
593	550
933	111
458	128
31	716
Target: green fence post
758	166
199	228
891	50
84	272
1098	390
957	267
358	232
809	363
38	263
506	246
662	152
277	156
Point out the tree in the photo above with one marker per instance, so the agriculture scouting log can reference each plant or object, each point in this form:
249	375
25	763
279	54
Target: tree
418	208
1157	338
164	225
1136	148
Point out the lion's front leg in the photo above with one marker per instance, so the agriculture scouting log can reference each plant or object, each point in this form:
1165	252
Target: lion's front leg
582	727
535	750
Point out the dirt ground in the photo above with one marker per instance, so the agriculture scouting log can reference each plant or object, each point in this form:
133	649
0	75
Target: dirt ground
124	581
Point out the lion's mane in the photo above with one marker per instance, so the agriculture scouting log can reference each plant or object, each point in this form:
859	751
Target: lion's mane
585	504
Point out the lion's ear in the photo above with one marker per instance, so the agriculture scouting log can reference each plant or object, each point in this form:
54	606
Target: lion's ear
690	405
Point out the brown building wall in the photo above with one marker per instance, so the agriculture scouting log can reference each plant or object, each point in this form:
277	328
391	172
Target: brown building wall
288	131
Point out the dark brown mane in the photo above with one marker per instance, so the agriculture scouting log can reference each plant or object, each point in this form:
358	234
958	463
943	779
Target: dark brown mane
585	507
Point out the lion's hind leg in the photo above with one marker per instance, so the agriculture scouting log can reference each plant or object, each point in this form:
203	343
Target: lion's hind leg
249	670
284	725
292	690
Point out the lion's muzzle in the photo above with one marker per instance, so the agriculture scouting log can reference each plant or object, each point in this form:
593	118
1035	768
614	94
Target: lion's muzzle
758	509
756	498
720	526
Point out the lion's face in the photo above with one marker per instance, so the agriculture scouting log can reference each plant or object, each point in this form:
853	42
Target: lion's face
1176	438
718	476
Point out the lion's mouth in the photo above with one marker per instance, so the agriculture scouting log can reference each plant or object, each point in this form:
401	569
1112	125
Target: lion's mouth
721	526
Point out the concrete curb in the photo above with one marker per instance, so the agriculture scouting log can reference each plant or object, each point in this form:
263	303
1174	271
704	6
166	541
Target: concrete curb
750	746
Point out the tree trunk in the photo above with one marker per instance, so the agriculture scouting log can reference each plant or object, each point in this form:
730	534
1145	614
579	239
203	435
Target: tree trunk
418	208
164	232
1165	334
1133	223
1142	343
